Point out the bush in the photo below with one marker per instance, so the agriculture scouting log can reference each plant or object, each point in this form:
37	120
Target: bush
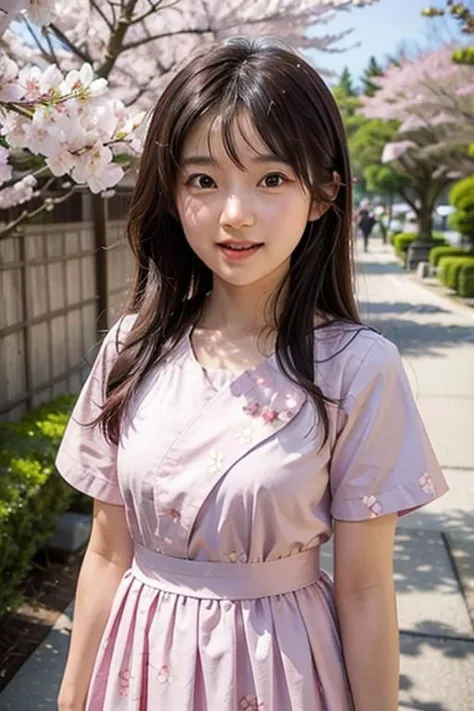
403	241
436	253
461	197
466	281
450	269
393	235
31	496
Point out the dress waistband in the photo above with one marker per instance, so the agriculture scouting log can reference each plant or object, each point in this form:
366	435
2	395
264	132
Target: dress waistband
225	581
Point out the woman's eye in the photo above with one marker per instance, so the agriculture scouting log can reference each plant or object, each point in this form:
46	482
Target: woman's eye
273	180
201	181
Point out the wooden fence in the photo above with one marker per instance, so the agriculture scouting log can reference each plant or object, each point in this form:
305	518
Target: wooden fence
61	286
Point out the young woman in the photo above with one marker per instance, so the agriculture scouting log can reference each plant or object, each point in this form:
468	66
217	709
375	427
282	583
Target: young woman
242	414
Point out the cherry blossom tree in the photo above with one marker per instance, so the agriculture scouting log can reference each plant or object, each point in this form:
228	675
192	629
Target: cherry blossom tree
433	100
76	93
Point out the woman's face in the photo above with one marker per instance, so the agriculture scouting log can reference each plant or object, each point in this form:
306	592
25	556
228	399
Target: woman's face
243	224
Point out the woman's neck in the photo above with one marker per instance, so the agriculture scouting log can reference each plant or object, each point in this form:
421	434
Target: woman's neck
240	309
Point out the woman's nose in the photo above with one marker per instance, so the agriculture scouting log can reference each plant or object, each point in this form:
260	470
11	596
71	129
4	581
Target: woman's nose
236	212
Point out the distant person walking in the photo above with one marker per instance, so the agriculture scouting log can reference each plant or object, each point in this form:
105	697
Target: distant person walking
365	222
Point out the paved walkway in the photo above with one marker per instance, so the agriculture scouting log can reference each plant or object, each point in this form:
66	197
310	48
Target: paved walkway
434	556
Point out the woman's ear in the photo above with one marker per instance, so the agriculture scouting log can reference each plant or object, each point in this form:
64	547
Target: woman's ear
318	208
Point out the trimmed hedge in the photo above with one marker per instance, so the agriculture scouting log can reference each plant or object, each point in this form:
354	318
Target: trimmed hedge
461	197
436	253
403	241
450	270
32	497
466	281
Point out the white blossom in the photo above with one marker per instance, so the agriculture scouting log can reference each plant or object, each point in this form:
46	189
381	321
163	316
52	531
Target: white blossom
395	150
95	168
83	83
62	162
13	126
10	89
22	191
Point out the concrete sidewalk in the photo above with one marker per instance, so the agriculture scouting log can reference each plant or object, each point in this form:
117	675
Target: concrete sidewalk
434	555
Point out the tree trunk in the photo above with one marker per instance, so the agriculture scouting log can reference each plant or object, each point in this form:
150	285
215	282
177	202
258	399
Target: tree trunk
425	222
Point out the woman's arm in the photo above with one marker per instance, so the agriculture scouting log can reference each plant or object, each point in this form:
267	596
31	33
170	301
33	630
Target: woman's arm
108	556
366	607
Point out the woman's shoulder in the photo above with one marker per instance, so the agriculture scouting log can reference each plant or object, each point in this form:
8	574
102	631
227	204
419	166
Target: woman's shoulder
120	329
343	349
112	343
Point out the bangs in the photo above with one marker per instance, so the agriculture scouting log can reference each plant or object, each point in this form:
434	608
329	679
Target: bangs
229	120
290	109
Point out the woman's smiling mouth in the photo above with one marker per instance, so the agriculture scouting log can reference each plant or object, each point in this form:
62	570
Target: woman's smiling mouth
238	249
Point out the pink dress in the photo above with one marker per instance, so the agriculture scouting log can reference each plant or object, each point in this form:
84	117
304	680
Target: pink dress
228	498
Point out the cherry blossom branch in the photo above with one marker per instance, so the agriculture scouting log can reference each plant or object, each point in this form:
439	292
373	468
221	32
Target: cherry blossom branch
48	205
44	54
51	48
153	8
102	14
115	44
80	54
163	35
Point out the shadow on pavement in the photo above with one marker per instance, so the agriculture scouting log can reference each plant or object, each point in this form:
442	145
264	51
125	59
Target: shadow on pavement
413	338
398	307
378	268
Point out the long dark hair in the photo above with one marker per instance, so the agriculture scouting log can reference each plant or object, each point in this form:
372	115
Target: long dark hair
297	118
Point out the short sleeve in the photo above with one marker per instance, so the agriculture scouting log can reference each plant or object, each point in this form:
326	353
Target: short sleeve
85	459
382	461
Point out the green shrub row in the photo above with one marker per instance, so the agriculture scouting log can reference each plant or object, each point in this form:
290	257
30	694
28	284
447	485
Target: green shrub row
438	253
402	241
450	271
466	281
32	497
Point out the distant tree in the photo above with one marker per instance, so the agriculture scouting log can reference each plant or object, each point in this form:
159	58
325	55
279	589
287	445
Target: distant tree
372	70
429	96
346	82
459	10
465	17
366	147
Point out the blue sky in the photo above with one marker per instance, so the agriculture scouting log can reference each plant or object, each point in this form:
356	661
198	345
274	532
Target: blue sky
380	29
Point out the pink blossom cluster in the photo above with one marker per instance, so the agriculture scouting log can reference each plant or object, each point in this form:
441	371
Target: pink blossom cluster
426	92
20	192
70	120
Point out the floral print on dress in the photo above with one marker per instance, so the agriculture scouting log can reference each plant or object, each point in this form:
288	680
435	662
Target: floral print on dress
266	414
235	557
245	435
250	703
164	676
269	414
216	459
373	504
426	483
175	515
124	684
253	409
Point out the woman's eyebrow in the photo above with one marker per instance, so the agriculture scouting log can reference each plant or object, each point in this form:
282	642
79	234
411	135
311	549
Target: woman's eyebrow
206	160
198	160
268	158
